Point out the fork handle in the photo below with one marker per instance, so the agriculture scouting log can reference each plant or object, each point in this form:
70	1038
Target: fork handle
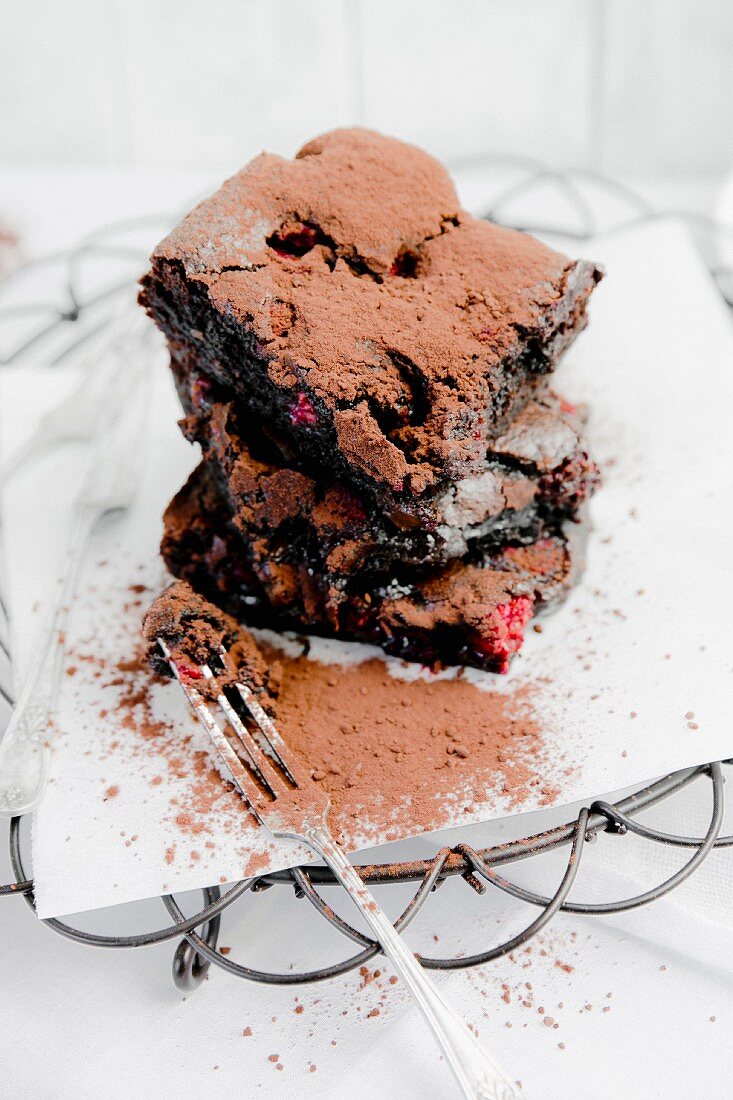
478	1075
23	750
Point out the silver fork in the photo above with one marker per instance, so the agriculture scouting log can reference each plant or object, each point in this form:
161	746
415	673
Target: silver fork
109	484
290	805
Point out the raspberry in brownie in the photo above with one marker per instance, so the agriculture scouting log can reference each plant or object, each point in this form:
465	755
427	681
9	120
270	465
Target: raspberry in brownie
347	300
474	611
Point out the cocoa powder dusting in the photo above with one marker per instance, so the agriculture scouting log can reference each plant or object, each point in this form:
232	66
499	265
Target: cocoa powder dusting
355	267
405	756
396	756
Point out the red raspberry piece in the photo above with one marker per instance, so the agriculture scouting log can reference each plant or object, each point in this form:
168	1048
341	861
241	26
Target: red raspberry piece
188	672
302	413
506	625
293	239
573	482
348	503
405	264
200	391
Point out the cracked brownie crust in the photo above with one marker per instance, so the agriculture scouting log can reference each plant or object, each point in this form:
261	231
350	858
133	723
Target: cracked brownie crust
347	300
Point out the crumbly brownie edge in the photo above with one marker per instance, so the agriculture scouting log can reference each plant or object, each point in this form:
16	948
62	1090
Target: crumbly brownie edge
465	614
539	475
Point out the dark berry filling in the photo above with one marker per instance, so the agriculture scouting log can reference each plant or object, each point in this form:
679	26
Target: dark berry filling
405	264
188	672
505	630
302	414
293	239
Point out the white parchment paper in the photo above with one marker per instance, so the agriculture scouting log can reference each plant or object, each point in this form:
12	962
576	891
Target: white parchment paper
631	678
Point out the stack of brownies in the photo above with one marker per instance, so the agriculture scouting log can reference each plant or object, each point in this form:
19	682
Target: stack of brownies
365	367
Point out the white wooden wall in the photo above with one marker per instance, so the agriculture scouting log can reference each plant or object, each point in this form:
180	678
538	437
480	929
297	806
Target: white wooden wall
621	85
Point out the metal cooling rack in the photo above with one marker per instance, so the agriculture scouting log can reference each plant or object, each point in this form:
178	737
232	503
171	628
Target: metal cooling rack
52	309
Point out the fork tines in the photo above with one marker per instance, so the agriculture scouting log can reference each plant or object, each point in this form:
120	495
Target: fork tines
255	765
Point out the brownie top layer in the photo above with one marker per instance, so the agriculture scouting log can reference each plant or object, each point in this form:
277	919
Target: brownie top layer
388	317
373	196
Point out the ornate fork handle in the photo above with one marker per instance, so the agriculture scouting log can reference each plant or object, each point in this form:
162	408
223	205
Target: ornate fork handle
479	1077
22	759
113	469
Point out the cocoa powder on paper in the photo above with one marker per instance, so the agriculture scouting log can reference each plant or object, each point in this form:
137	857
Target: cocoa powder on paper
409	754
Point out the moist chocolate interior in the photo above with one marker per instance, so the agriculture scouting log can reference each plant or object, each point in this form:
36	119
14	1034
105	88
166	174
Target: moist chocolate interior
432	616
538	476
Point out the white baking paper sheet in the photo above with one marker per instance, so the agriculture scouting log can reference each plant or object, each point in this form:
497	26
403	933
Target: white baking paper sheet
631	678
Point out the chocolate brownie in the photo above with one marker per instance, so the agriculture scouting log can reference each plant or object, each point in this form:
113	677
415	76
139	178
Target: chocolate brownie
536	474
347	300
473	611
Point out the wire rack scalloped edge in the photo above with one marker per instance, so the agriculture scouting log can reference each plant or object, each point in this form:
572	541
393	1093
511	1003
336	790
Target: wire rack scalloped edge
198	934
